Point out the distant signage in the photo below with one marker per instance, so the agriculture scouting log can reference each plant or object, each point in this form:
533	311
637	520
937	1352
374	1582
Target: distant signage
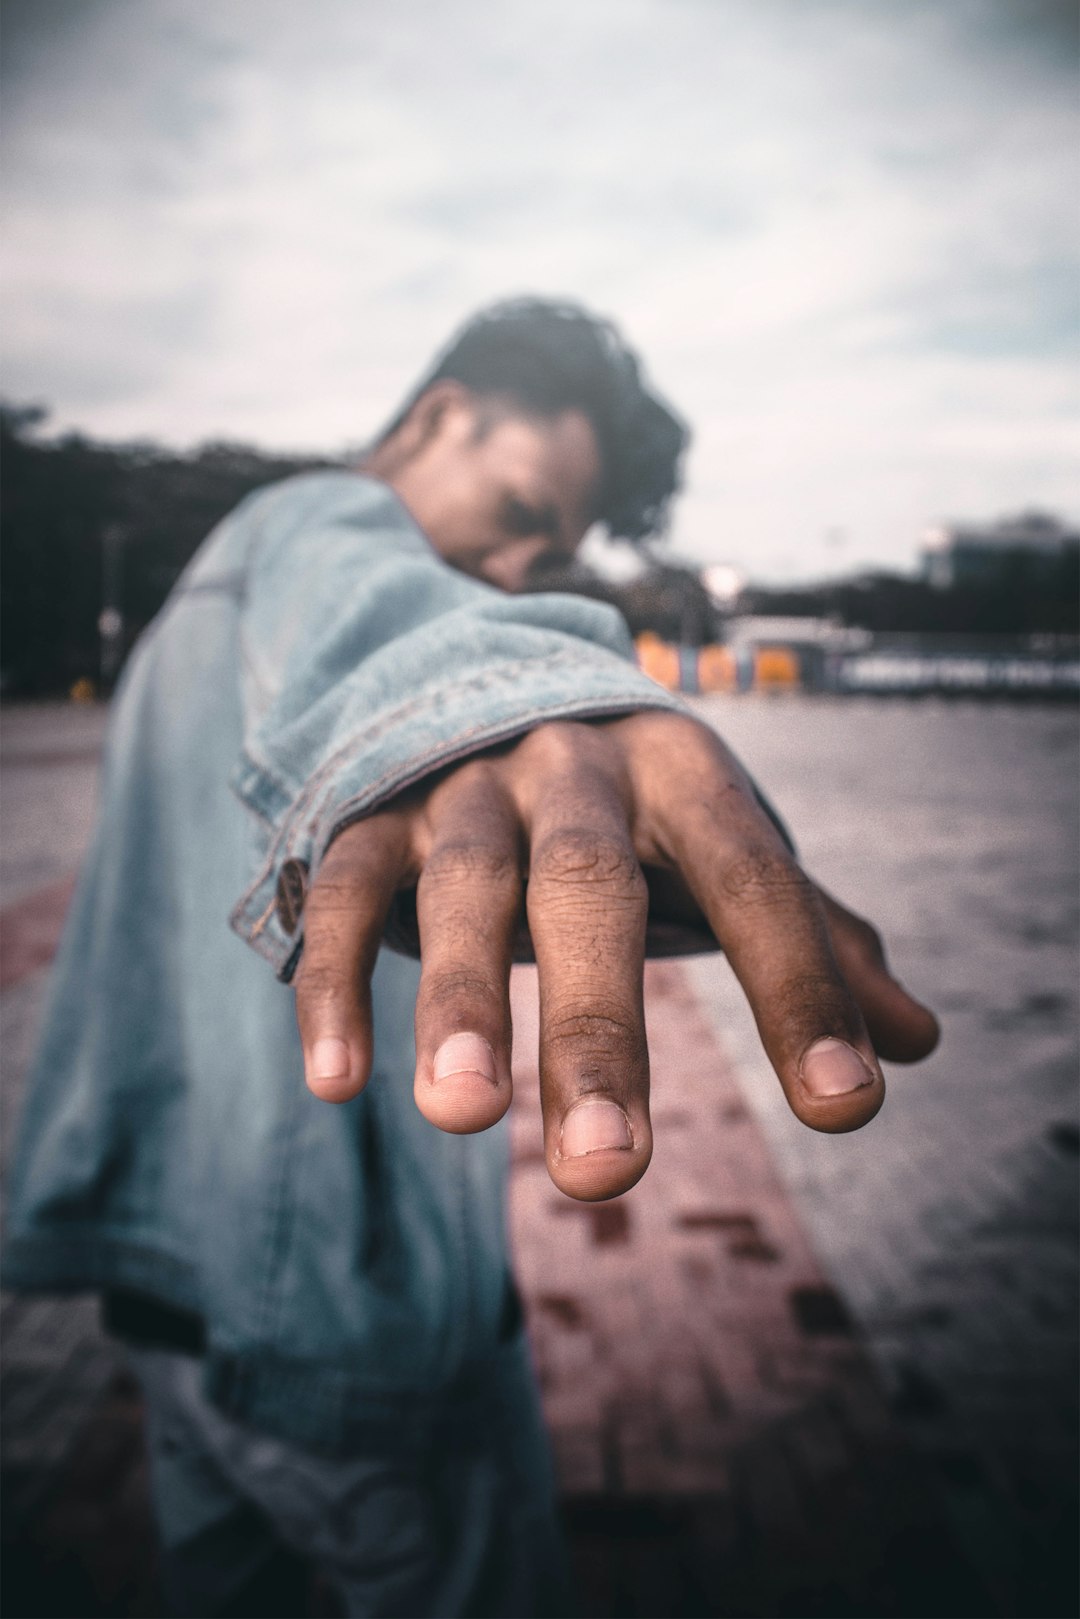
885	672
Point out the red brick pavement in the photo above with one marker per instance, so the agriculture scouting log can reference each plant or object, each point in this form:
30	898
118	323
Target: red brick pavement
30	931
720	1437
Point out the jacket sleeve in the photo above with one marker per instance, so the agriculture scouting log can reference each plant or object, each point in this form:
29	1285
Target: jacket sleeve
369	663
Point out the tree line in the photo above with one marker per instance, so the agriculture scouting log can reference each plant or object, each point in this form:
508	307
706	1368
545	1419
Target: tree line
85	526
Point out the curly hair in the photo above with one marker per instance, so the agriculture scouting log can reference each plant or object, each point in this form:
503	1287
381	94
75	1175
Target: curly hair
546	357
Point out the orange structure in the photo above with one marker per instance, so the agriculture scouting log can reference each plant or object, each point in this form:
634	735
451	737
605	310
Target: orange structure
717	669
776	668
659	660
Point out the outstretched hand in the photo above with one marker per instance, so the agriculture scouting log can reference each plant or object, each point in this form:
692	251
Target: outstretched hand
556	829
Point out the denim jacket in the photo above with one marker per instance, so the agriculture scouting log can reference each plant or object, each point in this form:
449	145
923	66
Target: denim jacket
348	1262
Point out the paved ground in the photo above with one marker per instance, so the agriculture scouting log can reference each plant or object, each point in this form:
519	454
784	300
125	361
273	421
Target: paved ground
786	1374
950	1224
722	1440
55	1363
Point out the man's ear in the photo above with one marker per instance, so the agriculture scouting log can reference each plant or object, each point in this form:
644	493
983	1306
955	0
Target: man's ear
429	415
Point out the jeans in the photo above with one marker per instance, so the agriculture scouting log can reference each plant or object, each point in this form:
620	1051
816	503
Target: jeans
467	1528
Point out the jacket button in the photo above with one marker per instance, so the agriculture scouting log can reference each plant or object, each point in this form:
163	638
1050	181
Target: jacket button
291	893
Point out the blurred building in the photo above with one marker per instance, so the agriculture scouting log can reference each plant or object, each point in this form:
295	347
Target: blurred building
986	554
778	629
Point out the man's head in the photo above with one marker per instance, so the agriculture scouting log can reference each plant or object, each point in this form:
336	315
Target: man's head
532	425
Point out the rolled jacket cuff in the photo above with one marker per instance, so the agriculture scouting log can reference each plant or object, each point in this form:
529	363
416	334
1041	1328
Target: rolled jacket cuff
433	728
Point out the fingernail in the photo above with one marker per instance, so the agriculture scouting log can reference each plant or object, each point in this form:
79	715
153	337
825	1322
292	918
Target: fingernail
329	1060
594	1126
464	1054
832	1068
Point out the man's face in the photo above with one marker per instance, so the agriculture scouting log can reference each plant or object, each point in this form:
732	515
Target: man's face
496	492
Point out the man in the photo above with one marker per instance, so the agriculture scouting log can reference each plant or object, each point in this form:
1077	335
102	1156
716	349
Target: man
343	726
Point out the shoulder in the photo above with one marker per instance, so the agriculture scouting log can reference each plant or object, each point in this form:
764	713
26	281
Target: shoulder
332	495
331	521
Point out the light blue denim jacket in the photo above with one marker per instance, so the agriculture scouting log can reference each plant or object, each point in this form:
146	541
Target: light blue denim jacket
349	1262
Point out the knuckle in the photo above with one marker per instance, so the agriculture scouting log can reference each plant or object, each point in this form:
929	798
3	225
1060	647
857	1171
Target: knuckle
458	989
469	781
760	876
561	749
478	772
556	742
608	1037
688	736
317	982
462	864
578	856
817	1001
339	890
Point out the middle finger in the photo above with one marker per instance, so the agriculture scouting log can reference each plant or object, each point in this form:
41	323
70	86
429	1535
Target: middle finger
587	904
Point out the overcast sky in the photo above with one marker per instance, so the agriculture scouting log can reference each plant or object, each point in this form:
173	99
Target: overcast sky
843	233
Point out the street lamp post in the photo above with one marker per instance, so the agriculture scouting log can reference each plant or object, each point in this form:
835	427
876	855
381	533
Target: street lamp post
111	617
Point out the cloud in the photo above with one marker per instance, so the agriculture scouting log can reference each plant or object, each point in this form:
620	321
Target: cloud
841	233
